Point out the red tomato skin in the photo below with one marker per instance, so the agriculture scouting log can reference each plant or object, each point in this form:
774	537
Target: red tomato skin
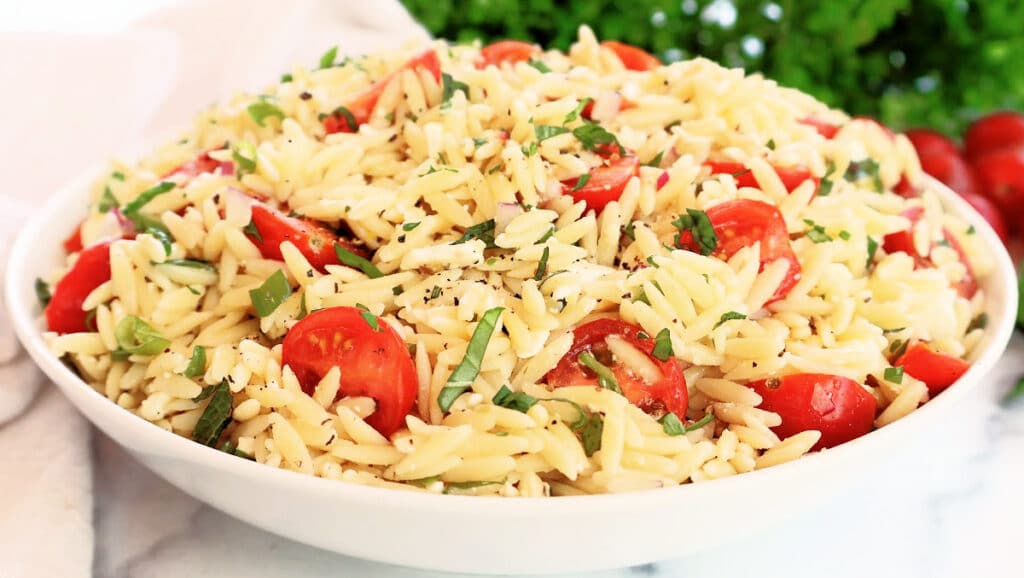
632	58
376	364
824	128
968	284
506	51
840	408
937	370
928	141
988	210
952	170
791	177
903	241
314	242
743	222
905	189
606	182
669	394
73	243
1001	176
64	313
997	131
199	165
363	104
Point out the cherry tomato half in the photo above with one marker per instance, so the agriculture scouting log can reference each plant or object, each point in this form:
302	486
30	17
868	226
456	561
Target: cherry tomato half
791	177
506	51
937	370
632	58
824	128
64	313
1001	175
199	165
605	183
840	408
363	104
314	242
374	362
903	241
997	131
73	243
668	394
743	222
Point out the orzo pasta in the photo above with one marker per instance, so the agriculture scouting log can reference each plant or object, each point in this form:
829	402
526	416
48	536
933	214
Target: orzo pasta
503	271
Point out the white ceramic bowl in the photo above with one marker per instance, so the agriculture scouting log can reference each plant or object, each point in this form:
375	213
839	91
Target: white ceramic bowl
486	535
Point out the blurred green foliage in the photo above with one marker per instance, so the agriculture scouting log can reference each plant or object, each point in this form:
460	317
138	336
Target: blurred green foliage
936	63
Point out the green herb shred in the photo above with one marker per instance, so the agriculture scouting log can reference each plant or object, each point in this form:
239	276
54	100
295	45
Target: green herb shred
539	65
191	264
370	318
605	377
136	337
465	372
872	249
216	415
263	109
43	293
350	259
671	424
271	294
729	316
816	232
699	225
252	231
327	58
545	132
580	182
107	201
483	231
244	155
542	265
893	374
590	435
700	423
656	161
449	87
592	136
410	226
662	345
516	400
197	364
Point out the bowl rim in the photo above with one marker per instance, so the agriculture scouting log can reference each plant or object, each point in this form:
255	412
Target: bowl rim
27	324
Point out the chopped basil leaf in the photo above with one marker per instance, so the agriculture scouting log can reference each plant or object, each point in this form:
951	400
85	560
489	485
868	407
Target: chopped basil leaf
131	210
826	183
816	232
651	262
656	161
893	374
630	230
729	316
346	114
530	149
244	155
662	346
699	225
43	293
465	372
539	65
216	415
590	435
117	176
350	259
872	249
327	58
593	136
230	448
1016	392
158	231
252	231
262	109
866	168
107	201
844	235
671	424
302	307
205	393
494	169
546	236
545	132
370	318
286	77
898	347
576	112
449	86
483	231
191	264
516	400
770	144
271	294
979	322
424	482
971	230
435	292
605	377
410	226
580	182
136	337
700	423
542	265
197	364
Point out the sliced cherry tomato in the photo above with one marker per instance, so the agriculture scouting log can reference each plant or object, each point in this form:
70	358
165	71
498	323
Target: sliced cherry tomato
840	408
588	109
506	51
363	104
987	209
824	128
668	394
905	189
791	177
937	370
199	165
1001	175
632	58
373	359
314	242
997	131
64	313
743	222
605	183
903	241
73	243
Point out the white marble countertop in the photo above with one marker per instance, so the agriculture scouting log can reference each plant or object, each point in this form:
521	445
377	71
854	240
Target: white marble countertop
949	506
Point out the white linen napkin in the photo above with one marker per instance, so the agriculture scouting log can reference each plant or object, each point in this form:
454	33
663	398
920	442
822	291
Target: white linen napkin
71	101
